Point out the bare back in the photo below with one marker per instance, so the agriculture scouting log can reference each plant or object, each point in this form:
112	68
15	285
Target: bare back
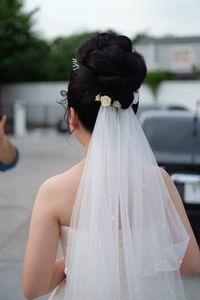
66	186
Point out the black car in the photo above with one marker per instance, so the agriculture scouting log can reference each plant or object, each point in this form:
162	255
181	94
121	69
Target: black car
175	140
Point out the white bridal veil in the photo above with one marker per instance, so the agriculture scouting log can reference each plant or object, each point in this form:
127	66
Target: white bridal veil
126	240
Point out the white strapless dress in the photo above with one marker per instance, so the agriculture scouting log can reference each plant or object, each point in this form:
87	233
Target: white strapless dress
59	292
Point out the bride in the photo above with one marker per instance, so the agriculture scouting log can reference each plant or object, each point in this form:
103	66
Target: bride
122	225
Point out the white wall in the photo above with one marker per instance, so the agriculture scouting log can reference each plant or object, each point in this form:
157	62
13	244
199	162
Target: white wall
41	98
146	95
34	93
46	93
186	93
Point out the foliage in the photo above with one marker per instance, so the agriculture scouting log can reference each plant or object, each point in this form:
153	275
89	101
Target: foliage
196	73
24	56
154	78
139	36
21	51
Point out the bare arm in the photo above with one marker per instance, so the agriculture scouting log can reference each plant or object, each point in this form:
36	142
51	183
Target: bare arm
41	271
7	151
191	261
58	274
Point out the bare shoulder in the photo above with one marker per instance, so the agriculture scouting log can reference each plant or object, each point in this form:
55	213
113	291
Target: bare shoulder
165	175
63	181
176	198
170	185
59	192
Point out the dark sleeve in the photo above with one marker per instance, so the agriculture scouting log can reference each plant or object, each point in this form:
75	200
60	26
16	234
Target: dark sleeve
5	167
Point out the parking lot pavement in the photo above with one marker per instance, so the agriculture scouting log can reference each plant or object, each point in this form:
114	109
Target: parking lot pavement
42	155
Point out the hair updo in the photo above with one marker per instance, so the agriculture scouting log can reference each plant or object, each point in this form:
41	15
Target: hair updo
107	65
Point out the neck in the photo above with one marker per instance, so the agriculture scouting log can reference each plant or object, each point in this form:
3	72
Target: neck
84	138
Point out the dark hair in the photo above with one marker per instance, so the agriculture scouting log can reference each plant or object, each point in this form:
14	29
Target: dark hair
107	65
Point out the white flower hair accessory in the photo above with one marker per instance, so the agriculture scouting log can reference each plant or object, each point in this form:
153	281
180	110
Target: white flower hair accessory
116	104
107	101
136	97
98	97
75	65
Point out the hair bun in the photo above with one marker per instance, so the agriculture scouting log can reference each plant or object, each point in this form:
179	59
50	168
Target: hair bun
108	65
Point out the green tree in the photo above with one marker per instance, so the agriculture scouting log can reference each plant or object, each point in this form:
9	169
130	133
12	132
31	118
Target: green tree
195	73
154	78
138	37
21	51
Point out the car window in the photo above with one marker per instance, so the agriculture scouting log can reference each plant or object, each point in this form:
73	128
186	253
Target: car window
177	135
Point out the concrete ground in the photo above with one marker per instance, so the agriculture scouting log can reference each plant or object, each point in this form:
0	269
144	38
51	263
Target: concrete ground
42	155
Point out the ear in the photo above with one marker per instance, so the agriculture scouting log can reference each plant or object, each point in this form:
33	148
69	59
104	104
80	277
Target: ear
73	119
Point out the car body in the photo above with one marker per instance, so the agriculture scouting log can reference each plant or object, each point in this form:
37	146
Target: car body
155	106
62	126
174	137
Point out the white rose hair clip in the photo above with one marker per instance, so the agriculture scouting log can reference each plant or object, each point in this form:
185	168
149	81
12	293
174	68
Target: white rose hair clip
107	101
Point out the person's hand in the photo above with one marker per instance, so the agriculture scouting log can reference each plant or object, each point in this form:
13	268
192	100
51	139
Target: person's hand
2	125
7	151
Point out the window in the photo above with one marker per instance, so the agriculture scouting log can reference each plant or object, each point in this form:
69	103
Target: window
182	57
175	135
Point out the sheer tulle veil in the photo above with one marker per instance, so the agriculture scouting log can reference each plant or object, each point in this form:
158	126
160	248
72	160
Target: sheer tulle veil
126	240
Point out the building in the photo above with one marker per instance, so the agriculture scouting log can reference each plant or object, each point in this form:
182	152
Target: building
180	55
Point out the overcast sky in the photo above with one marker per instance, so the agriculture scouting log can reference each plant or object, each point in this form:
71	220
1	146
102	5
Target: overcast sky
156	17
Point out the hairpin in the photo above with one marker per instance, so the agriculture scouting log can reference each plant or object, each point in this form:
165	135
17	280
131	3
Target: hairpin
75	65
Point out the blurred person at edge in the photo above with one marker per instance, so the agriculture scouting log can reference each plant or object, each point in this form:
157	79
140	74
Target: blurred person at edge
8	153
